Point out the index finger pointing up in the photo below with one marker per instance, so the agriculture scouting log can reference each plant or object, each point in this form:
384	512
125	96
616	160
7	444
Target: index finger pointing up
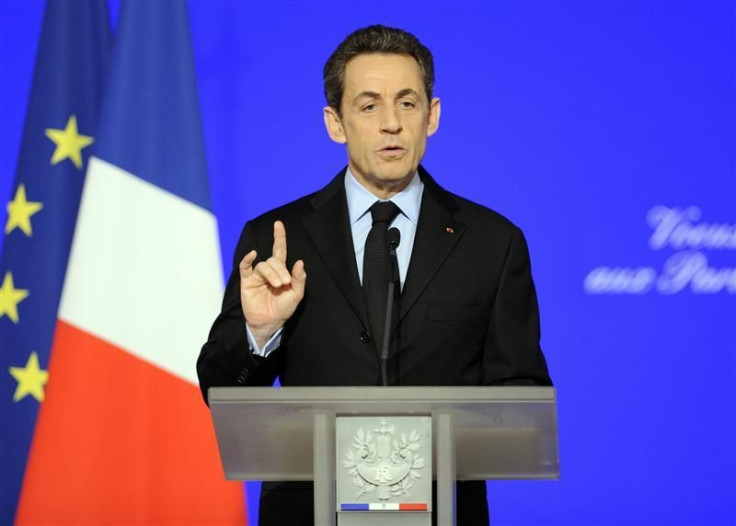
279	241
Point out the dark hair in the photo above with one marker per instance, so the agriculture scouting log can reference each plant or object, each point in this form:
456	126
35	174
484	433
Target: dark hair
374	39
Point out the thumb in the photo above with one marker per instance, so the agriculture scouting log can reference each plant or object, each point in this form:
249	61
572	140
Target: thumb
298	277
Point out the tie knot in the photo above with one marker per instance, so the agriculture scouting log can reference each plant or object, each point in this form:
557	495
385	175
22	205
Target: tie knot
384	212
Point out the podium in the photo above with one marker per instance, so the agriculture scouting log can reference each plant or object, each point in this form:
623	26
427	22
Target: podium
478	433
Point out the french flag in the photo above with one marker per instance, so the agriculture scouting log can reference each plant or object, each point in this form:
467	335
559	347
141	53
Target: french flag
122	435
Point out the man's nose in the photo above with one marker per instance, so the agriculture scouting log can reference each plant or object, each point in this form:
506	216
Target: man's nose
390	122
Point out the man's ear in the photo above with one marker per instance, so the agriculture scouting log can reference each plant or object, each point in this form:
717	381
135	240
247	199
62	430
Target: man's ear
334	125
433	120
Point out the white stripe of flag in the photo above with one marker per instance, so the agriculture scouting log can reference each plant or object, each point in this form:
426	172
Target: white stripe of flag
144	271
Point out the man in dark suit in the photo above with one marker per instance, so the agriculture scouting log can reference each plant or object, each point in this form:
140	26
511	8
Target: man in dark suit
467	311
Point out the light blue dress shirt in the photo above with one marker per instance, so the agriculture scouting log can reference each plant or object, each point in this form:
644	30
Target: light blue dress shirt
360	200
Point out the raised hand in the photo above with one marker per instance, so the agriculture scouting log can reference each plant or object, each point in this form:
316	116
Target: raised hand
270	294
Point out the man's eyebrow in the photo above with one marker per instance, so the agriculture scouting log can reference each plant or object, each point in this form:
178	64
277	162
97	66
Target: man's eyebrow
406	91
375	95
368	95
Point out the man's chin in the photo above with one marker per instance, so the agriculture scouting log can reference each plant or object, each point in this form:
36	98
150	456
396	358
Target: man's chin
387	179
395	175
396	182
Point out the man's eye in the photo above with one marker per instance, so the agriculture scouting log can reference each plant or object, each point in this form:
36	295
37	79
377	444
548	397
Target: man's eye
406	104
369	107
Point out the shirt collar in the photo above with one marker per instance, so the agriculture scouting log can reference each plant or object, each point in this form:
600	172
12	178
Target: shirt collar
360	199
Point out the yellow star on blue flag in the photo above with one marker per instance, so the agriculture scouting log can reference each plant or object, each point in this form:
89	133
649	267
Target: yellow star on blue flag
20	211
31	379
10	297
69	143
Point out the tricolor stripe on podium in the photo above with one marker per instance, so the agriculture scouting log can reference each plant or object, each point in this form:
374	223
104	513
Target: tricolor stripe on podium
124	437
384	506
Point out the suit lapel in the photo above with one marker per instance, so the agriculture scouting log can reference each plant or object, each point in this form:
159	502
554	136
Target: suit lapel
329	229
437	233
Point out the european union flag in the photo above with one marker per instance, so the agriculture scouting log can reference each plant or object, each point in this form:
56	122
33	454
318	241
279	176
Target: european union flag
58	136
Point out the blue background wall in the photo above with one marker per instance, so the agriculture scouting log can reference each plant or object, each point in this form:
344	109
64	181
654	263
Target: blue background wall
579	120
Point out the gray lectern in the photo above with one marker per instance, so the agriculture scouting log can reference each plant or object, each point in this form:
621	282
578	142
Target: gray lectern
477	433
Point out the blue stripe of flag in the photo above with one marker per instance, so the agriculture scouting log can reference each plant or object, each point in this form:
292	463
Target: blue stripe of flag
354	507
150	124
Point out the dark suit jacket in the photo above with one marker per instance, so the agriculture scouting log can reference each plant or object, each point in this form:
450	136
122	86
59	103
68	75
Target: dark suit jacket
468	310
467	316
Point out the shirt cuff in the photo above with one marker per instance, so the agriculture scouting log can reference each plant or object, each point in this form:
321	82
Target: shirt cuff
271	345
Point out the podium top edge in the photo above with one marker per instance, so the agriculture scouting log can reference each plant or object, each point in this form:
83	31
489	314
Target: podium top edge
382	394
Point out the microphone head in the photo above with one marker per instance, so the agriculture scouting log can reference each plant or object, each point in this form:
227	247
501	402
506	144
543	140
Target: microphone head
393	238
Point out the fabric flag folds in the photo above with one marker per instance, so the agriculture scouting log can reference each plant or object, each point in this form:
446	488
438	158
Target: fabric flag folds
58	135
123	436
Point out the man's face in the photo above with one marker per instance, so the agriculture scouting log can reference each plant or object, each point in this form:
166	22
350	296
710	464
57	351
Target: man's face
385	121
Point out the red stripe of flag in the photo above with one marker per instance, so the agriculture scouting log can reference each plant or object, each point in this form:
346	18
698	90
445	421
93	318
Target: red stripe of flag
412	506
107	418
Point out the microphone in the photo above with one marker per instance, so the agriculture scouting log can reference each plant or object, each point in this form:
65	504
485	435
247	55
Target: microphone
393	238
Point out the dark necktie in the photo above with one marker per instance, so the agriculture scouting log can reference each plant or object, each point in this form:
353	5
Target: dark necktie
377	268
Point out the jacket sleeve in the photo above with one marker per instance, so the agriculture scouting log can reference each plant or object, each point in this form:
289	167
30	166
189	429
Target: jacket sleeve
512	355
226	359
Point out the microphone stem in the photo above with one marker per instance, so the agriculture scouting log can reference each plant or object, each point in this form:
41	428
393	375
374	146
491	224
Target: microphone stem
387	333
389	317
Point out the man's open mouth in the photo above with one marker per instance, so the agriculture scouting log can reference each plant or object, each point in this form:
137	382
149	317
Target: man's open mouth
392	149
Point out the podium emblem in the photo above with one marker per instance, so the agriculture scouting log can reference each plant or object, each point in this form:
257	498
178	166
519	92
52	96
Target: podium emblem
385	463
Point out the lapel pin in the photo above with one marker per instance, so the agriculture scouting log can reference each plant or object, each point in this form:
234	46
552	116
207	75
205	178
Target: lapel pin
449	230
